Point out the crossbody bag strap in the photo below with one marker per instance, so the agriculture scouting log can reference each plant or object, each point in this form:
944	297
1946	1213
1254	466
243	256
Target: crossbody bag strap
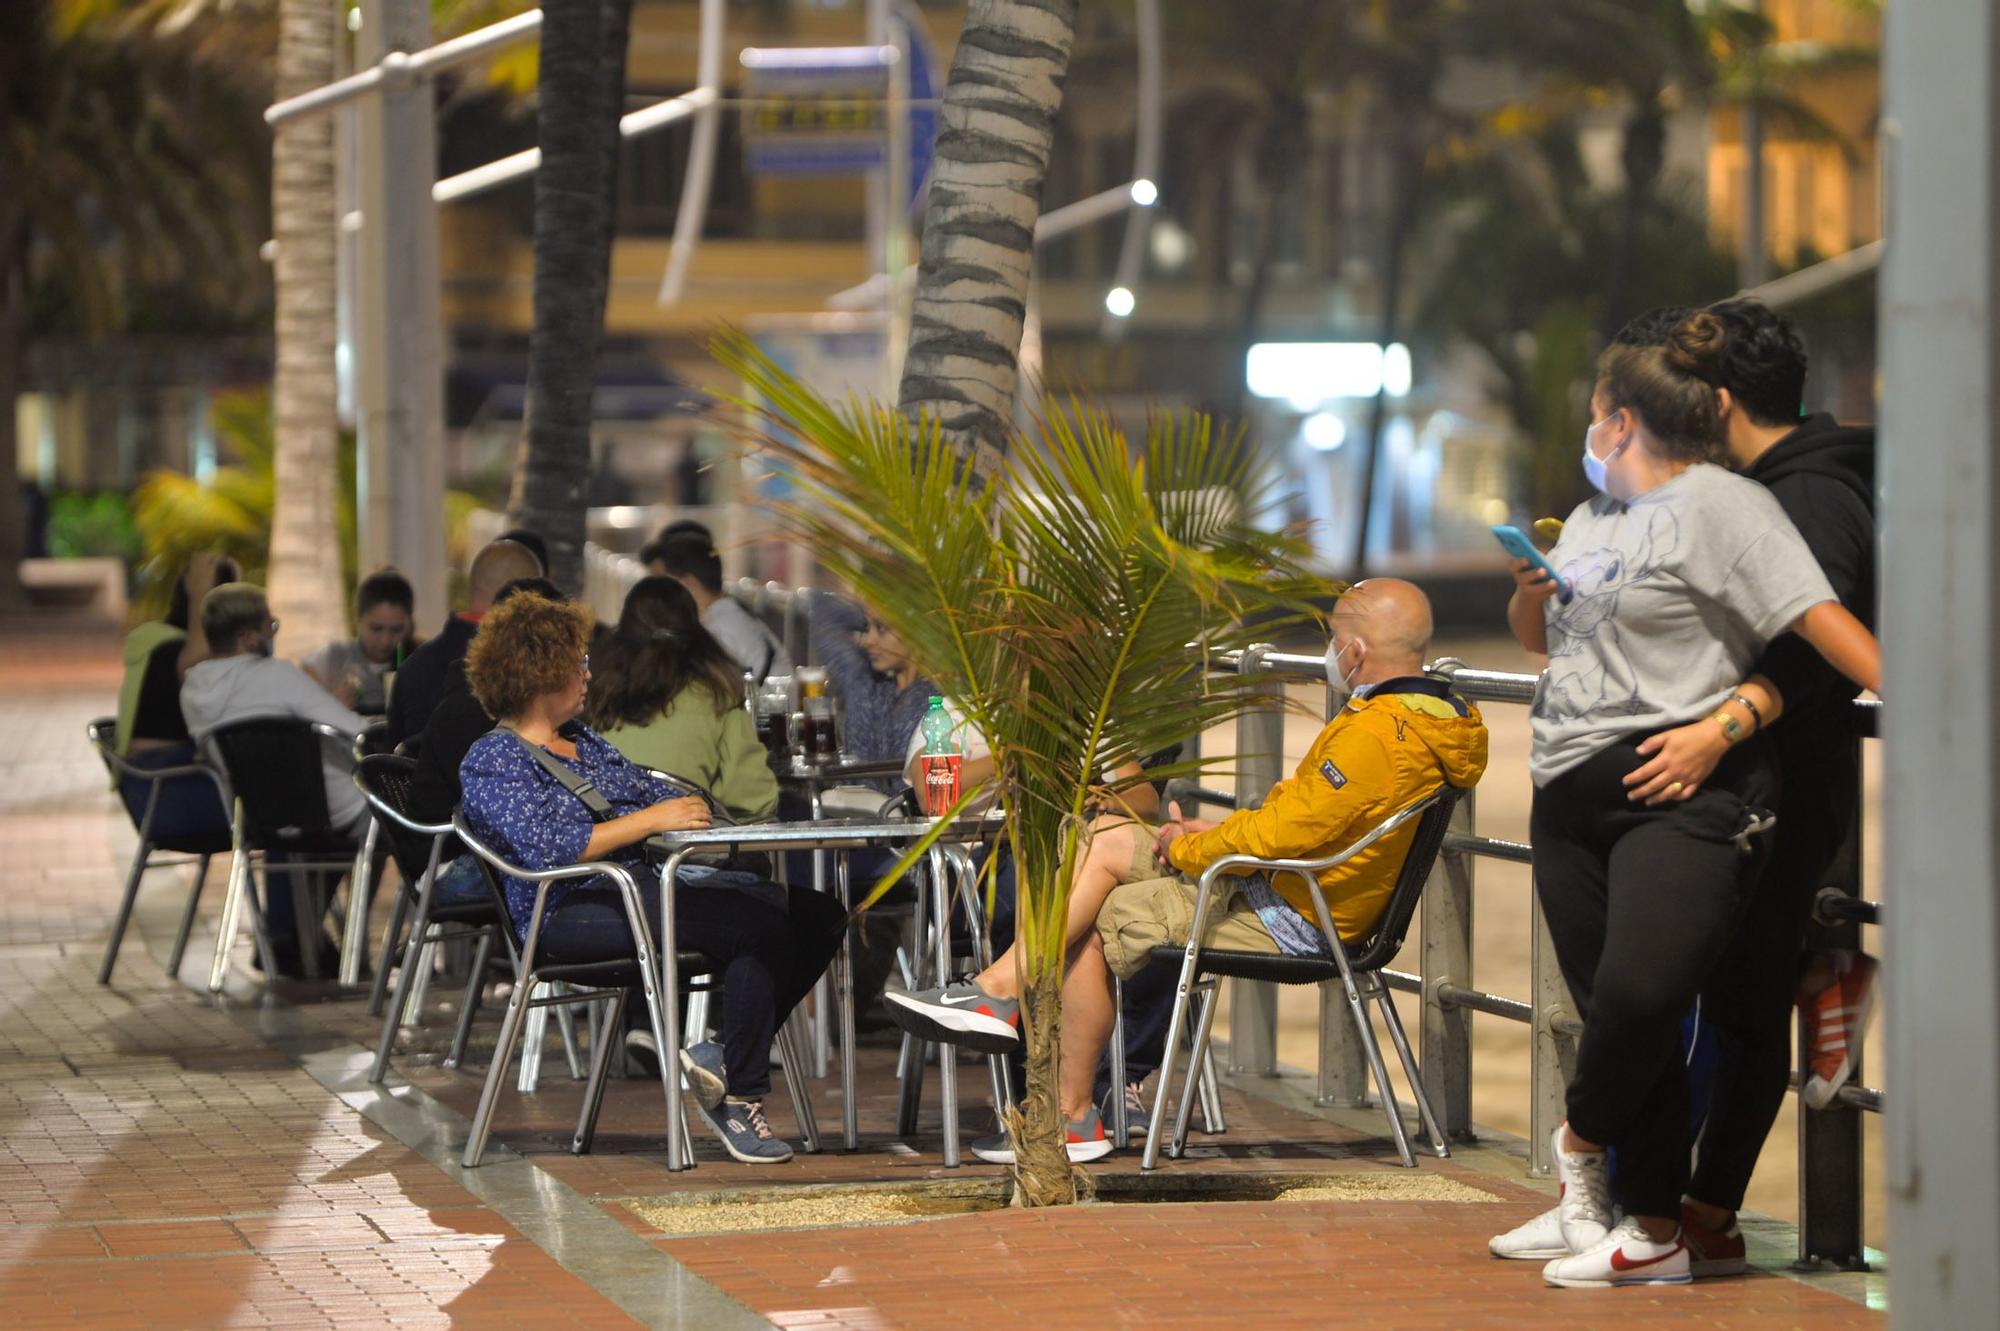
574	782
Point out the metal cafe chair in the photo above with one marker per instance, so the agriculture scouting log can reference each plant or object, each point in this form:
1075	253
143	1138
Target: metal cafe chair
274	770
180	849
1359	972
608	981
418	847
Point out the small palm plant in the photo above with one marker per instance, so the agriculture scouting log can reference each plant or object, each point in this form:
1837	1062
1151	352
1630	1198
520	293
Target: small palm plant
1070	605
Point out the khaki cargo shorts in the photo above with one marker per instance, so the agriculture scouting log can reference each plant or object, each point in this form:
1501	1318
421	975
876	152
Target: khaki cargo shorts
1155	907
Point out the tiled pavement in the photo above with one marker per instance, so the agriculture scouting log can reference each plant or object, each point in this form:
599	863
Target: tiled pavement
168	1161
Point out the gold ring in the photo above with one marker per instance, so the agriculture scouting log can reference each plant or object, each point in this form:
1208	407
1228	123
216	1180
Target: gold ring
1674	788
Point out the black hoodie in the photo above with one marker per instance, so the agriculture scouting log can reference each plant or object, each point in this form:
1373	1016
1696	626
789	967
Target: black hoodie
1823	475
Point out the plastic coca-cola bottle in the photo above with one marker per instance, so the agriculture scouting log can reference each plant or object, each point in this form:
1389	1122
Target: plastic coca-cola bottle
943	760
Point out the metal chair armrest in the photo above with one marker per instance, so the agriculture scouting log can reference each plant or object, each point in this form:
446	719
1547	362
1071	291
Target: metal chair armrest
1312	868
383	809
124	768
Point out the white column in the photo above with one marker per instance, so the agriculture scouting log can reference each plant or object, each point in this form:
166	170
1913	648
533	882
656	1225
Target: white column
399	342
1940	478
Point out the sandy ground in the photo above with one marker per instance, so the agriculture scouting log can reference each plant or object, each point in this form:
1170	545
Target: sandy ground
1501	949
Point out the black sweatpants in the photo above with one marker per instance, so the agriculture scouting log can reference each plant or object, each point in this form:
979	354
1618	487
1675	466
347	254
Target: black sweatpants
1641	904
767	957
1749	999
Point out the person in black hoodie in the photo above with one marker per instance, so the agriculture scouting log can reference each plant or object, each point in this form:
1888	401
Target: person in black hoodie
1823	475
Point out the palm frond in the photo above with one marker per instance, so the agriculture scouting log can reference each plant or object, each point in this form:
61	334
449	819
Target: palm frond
1070	606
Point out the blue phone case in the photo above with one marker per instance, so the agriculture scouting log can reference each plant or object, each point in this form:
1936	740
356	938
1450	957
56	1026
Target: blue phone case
1516	543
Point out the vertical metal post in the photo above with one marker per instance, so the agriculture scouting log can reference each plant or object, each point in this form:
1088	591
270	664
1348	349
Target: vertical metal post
1343	1062
1940	620
399	334
1830	1143
1446	1036
1553	1054
1260	757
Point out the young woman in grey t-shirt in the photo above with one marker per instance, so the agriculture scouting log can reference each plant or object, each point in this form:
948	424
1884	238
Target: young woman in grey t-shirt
1673	579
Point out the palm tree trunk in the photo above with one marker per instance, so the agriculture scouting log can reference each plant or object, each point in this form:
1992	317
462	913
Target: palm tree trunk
1408	200
996	129
305	582
582	93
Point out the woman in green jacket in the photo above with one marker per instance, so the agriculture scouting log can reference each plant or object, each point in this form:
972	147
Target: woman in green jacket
667	695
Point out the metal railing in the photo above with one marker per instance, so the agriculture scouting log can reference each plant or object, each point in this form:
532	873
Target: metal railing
1830	1204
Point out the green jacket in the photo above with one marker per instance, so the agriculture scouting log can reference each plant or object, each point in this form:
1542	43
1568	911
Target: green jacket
717	750
140	644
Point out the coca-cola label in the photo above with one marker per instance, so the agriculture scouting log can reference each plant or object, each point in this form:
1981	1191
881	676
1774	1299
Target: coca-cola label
941	777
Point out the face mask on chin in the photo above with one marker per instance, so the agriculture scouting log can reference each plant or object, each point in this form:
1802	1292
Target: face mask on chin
1596	469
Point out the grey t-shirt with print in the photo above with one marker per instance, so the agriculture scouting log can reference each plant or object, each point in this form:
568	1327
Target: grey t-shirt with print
1674	595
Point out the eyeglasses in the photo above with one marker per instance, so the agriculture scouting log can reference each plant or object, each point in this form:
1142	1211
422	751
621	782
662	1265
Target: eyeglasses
273	630
586	663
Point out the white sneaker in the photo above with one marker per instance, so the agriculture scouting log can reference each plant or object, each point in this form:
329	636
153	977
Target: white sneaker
1537	1240
1625	1257
1583	1194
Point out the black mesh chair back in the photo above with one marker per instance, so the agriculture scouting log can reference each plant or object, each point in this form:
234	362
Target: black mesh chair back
274	768
1382	946
391	779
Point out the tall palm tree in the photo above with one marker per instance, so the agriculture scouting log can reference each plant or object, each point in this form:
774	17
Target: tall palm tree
131	163
304	581
582	96
996	127
1067	601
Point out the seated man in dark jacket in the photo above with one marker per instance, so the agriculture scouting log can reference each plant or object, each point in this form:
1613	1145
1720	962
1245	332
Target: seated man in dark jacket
420	684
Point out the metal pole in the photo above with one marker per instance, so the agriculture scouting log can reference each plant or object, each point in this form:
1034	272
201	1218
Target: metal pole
896	189
1940	624
1260	756
693	213
1553	1054
400	354
1447	961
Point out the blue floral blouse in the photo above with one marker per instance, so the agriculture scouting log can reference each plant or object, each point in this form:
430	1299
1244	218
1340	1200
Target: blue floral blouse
523	813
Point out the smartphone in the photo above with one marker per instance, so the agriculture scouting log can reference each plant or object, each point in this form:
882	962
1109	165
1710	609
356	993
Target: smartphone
1516	543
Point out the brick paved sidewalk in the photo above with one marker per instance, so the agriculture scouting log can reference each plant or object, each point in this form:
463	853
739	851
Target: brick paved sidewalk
170	1161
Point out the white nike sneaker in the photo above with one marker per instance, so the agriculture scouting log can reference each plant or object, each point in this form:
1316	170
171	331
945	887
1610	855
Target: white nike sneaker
1625	1257
1583	1195
1537	1240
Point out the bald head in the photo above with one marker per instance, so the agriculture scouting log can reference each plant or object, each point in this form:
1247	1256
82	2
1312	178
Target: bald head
1386	623
494	567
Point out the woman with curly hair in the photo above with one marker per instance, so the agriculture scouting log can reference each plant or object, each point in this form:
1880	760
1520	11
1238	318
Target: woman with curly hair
668	696
529	791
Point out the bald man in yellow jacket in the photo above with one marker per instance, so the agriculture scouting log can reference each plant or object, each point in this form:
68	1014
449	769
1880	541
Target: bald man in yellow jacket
1400	736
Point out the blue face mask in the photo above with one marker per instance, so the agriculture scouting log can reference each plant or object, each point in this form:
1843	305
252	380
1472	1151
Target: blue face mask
1593	465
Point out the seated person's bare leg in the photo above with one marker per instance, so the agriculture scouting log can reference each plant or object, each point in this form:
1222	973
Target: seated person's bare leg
1106	863
1087	1020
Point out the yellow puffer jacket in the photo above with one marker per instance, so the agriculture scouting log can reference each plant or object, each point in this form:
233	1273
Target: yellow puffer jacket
1379	754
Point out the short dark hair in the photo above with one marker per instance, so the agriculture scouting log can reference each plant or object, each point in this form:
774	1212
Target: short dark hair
232	610
180	614
650	551
688	555
541	587
1762	361
535	545
1653	328
384	587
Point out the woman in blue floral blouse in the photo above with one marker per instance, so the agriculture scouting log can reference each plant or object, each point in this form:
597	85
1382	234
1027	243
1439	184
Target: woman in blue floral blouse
528	666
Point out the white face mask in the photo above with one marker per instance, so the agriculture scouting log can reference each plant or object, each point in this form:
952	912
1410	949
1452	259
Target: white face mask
1594	467
1338	680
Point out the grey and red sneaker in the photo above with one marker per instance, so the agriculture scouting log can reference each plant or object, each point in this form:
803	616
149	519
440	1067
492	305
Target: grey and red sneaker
960	1014
1713	1252
1085	1140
